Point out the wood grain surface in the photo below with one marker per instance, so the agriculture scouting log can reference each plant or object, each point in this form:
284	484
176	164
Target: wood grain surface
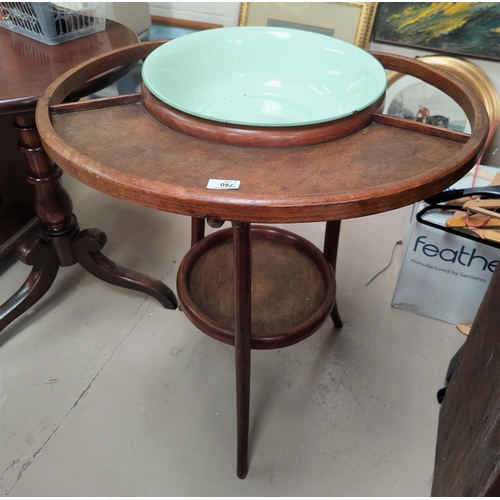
131	156
29	66
467	452
123	151
280	301
292	287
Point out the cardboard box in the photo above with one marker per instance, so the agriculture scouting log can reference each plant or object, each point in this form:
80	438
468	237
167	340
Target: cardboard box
443	276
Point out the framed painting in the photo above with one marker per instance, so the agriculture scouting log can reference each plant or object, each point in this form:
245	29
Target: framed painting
412	99
468	28
407	90
351	22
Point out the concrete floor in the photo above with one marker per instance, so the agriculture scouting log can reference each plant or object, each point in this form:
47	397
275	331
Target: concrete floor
144	403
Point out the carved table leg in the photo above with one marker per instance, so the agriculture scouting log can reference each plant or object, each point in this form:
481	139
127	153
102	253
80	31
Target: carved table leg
242	258
88	247
43	258
53	206
61	241
332	234
52	202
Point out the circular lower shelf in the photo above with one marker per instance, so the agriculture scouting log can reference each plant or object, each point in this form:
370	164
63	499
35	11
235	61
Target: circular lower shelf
293	287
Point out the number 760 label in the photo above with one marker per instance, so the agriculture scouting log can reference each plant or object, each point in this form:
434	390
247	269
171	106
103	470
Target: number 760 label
222	184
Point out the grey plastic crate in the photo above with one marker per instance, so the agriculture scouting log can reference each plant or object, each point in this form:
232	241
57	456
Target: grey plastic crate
53	23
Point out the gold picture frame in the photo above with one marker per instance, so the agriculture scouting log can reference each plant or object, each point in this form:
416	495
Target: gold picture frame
475	78
467	72
351	22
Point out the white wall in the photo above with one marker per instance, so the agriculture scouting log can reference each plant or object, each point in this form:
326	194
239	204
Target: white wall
135	15
224	13
227	14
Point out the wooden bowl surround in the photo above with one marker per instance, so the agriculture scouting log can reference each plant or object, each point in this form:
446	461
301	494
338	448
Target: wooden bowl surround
262	137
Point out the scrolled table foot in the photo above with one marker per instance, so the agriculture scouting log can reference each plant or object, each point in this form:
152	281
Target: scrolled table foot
88	247
43	258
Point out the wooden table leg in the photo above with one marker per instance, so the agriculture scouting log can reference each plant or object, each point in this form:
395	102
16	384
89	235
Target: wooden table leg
88	246
39	254
197	229
242	259
60	231
332	234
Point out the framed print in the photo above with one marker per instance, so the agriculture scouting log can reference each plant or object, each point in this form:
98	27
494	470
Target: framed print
468	28
413	99
410	98
351	22
464	70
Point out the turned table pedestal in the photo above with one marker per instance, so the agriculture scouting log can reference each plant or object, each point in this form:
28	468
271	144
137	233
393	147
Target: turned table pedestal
28	67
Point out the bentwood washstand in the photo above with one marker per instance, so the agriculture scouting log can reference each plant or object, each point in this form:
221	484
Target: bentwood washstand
254	286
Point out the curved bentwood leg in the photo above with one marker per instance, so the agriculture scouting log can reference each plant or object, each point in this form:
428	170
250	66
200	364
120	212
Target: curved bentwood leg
88	247
197	229
242	261
332	234
43	258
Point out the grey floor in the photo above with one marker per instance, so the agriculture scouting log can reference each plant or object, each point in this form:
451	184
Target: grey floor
144	403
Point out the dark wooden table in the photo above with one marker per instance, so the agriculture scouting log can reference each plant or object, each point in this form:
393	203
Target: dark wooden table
255	287
467	451
17	215
28	67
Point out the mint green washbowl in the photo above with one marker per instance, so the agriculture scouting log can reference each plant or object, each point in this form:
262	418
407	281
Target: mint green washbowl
265	77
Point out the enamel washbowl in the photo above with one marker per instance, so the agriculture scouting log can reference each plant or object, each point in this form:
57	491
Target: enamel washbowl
264	77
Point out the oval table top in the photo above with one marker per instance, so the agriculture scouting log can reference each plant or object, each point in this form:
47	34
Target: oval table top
115	146
29	66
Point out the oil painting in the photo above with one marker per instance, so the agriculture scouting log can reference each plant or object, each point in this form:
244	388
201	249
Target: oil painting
465	28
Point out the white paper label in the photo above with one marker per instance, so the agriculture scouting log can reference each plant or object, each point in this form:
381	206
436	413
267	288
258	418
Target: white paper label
222	184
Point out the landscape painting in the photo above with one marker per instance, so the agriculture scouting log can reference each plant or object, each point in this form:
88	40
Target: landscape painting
465	28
